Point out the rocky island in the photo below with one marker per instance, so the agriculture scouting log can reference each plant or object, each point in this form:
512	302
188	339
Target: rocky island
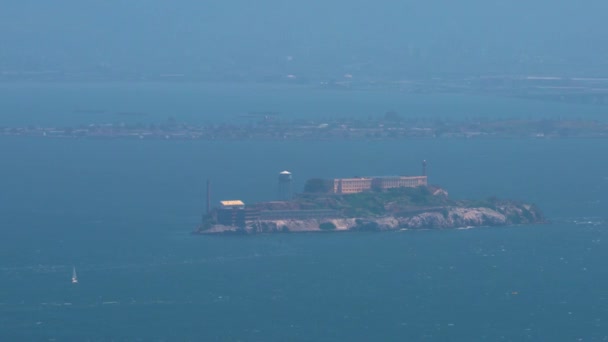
366	204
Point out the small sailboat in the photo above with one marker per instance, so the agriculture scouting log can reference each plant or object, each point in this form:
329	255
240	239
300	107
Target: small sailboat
74	276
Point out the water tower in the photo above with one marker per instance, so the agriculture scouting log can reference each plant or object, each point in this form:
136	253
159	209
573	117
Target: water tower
285	185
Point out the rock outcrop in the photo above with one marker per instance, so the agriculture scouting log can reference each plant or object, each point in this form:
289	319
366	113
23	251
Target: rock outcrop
503	213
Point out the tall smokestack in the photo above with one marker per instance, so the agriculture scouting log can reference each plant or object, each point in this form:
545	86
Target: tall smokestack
424	167
208	196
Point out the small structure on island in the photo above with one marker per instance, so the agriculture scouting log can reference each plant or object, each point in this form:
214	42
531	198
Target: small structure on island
232	213
232	204
285	185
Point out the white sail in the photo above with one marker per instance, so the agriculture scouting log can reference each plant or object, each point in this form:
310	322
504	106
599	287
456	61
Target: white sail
74	276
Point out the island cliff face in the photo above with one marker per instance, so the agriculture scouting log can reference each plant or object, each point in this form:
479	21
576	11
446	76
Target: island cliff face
409	208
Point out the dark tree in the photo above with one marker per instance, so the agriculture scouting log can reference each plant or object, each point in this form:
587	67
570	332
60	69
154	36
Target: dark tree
317	185
392	116
327	226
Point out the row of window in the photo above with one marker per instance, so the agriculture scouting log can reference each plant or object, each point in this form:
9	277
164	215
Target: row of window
358	185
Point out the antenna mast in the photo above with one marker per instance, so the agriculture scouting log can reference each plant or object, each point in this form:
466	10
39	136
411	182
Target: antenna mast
208	197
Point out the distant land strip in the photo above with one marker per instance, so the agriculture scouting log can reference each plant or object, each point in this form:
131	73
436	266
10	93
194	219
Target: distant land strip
390	127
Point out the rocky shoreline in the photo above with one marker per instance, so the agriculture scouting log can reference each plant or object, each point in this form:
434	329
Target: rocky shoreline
504	214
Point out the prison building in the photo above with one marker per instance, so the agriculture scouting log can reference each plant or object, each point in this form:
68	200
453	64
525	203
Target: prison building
352	185
361	184
383	183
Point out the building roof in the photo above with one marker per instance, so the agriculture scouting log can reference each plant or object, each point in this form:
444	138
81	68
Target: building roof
401	177
232	203
285	172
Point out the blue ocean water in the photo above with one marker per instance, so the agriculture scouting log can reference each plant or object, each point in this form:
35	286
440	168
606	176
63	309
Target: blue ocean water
121	213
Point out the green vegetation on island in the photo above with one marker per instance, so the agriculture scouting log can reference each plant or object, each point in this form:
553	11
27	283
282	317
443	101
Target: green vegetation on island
376	203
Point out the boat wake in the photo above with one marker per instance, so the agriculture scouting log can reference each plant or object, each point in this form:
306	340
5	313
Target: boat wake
587	221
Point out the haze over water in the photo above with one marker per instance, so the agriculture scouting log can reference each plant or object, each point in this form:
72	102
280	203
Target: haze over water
266	40
73	104
121	211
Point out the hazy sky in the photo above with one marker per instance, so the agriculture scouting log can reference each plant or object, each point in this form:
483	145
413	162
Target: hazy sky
193	35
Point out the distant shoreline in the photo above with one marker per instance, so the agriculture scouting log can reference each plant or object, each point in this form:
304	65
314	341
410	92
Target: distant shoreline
271	128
